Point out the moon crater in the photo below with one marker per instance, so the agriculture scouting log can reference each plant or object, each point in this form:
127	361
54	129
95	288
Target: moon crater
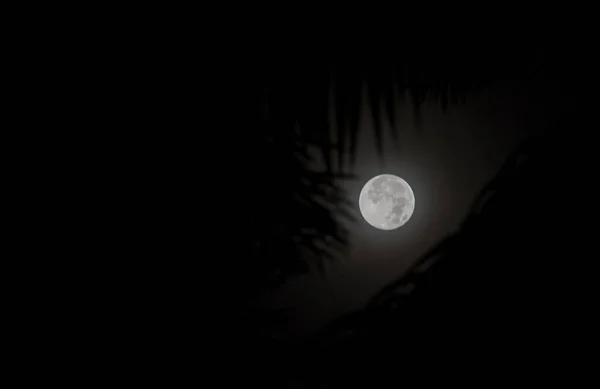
386	202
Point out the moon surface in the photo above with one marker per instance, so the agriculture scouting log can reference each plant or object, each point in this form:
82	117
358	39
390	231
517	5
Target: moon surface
386	202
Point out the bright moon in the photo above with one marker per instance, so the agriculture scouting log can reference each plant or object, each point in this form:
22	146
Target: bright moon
386	202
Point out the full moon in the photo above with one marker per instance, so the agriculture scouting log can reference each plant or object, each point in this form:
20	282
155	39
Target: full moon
386	202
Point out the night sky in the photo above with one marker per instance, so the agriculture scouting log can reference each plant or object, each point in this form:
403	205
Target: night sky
447	162
201	236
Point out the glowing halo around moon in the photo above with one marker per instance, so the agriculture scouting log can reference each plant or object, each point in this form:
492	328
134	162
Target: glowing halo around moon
386	202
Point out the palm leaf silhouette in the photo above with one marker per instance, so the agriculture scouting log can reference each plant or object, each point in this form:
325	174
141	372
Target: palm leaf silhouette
316	104
295	100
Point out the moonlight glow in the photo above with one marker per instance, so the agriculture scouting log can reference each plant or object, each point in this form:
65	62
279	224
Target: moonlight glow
386	202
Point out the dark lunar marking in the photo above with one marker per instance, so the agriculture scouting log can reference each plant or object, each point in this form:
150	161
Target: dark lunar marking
401	201
397	209
379	183
374	195
371	194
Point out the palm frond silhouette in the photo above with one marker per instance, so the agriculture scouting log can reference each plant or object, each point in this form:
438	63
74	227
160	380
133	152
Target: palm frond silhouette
482	289
316	105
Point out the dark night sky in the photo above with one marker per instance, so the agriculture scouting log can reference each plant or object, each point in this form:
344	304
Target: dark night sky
446	162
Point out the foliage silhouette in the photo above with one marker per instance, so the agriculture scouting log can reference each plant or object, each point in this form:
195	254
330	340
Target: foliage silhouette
307	104
302	105
497	285
301	109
